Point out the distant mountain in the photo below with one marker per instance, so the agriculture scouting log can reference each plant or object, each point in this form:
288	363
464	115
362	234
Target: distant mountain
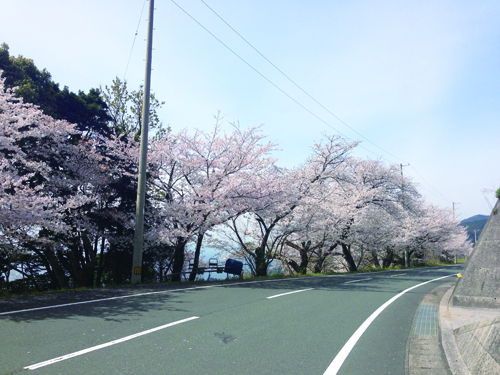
476	223
475	218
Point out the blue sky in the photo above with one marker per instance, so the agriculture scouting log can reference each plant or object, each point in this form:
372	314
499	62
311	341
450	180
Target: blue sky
419	79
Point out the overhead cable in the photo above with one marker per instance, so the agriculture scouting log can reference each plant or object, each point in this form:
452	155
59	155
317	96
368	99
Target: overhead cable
300	88
133	43
267	79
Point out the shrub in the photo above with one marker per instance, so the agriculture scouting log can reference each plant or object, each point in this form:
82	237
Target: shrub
432	262
497	194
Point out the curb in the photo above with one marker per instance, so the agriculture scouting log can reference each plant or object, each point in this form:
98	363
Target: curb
455	361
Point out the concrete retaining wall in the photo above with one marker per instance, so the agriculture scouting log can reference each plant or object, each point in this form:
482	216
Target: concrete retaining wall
479	345
480	283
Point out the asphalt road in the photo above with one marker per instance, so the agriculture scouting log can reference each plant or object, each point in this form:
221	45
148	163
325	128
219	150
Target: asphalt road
232	329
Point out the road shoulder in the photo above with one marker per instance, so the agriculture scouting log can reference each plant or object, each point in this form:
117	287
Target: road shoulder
424	353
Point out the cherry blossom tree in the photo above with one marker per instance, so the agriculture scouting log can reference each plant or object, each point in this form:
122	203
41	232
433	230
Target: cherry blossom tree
56	182
353	217
67	202
313	230
432	232
361	184
24	133
202	180
281	193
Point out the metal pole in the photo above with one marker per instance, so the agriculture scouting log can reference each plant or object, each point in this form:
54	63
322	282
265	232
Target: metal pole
141	185
402	191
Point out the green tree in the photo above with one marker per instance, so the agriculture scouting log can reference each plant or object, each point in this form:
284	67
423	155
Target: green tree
125	109
81	257
36	86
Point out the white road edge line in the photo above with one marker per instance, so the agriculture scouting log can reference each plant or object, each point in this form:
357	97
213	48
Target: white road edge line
103	299
357	281
133	295
151	293
284	294
344	352
114	342
159	292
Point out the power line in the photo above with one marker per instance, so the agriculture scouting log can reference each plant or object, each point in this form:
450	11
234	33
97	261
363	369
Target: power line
311	97
133	43
305	92
437	193
297	85
267	79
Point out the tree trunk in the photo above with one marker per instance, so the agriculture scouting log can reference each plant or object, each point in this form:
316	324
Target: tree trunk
387	261
194	271
304	258
100	266
346	250
375	260
260	262
75	257
57	270
301	268
318	264
179	257
294	265
303	250
88	268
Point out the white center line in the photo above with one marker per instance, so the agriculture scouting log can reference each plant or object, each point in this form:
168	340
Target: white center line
284	294
84	351
357	281
339	359
401	274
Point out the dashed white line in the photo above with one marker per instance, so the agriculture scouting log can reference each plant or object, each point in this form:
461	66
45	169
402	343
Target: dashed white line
344	352
284	294
357	281
84	351
397	275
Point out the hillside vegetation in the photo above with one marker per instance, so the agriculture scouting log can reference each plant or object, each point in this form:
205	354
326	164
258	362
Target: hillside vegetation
474	223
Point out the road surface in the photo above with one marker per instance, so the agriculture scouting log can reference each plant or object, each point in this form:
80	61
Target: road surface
275	326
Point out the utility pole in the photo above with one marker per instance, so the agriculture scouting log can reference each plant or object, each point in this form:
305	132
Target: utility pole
475	236
141	185
403	165
454	203
402	191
